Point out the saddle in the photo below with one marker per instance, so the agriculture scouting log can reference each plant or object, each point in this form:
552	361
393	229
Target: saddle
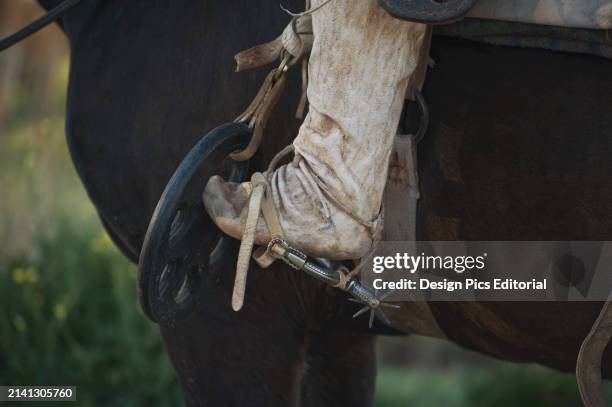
594	15
428	11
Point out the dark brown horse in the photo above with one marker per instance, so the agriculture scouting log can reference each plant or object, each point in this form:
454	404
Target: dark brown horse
518	148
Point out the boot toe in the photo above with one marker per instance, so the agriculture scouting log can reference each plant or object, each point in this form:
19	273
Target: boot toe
224	202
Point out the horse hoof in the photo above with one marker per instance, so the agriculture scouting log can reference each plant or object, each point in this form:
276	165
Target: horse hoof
182	242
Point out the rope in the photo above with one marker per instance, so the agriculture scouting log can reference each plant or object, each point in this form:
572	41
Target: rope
38	24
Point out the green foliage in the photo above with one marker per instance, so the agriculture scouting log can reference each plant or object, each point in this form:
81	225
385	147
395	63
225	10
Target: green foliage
69	316
403	387
500	385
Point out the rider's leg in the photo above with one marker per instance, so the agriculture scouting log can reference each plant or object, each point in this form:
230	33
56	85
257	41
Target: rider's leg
329	198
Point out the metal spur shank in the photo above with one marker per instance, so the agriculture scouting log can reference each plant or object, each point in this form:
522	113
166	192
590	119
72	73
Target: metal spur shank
325	271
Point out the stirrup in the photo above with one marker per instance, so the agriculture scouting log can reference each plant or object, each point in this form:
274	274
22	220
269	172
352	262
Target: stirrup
179	248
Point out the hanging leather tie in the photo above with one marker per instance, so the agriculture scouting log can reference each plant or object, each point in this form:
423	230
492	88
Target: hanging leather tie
258	112
291	46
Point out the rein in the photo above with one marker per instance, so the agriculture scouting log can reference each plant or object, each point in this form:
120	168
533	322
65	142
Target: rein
51	16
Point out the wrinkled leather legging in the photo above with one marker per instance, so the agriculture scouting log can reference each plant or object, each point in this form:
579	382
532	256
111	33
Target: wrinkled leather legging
328	198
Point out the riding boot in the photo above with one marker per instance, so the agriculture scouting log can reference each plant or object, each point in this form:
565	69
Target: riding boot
328	199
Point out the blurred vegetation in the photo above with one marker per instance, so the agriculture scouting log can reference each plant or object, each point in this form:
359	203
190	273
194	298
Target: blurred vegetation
501	386
429	373
69	316
68	308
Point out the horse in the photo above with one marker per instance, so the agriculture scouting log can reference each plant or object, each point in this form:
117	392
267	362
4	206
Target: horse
517	149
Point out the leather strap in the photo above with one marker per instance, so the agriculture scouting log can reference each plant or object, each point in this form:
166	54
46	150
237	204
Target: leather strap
588	365
260	109
260	201
246	246
296	39
291	46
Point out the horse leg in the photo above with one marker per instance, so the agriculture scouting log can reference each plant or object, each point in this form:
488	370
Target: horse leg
234	364
249	358
340	369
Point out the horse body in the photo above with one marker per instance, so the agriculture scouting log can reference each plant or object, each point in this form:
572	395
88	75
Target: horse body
518	149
